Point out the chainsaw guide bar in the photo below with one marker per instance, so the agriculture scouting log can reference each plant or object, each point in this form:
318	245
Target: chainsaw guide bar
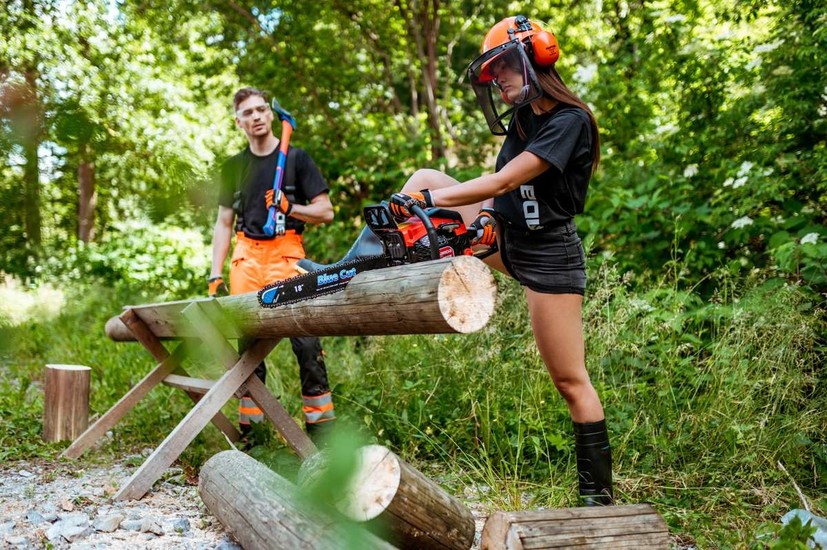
317	283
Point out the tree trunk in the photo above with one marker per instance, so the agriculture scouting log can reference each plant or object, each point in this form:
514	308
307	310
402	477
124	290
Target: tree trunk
66	403
440	296
431	31
87	195
634	526
422	21
263	510
31	173
394	500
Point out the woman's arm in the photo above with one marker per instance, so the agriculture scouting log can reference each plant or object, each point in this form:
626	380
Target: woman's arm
524	167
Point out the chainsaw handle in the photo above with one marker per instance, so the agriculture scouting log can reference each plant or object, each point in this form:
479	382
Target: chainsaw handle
417	211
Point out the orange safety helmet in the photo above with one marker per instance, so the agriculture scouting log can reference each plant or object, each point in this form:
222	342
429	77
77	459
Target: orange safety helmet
542	44
520	44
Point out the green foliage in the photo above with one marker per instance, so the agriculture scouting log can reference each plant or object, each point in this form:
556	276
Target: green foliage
161	260
146	112
728	161
712	116
795	535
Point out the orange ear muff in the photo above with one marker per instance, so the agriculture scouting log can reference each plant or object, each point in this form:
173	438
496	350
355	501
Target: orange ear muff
546	50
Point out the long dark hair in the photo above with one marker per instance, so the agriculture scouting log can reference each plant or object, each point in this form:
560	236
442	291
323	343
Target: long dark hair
554	88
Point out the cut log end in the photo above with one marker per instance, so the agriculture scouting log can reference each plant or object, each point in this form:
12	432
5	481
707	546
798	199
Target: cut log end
467	281
375	484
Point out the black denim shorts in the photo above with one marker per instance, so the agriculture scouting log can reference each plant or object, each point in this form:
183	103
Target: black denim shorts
550	261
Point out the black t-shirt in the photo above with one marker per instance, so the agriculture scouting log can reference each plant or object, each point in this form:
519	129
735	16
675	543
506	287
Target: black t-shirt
562	137
246	177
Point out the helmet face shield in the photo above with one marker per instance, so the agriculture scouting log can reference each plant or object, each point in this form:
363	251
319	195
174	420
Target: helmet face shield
503	80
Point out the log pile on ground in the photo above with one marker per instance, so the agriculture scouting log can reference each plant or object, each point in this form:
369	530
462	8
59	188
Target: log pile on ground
339	494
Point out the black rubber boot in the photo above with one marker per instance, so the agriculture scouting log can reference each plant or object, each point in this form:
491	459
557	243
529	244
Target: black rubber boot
594	463
366	244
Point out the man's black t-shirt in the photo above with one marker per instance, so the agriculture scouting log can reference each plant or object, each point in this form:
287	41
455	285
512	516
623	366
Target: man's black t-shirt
562	137
246	177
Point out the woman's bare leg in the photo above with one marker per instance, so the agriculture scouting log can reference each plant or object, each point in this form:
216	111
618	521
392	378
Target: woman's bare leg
557	323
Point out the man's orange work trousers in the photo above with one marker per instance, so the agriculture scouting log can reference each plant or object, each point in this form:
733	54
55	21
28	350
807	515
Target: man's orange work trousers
255	264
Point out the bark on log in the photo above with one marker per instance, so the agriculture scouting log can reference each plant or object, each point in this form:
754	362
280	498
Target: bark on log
396	501
633	526
66	403
441	296
263	510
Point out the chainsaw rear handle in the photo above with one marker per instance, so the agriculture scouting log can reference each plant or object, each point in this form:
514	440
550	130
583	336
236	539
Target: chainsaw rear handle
429	227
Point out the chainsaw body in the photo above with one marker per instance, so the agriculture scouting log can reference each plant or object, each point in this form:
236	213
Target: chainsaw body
431	234
409	242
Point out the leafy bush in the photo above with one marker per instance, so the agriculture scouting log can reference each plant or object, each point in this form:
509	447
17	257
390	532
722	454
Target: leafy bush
795	535
164	260
726	168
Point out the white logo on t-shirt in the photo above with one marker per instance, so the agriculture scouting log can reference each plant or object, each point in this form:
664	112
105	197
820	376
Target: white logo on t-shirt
531	208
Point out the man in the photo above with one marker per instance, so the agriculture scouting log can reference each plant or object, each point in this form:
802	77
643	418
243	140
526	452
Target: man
259	259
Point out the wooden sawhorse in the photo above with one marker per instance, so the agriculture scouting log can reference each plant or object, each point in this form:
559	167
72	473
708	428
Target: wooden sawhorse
451	295
205	317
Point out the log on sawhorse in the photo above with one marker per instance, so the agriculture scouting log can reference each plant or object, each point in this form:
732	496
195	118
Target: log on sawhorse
454	295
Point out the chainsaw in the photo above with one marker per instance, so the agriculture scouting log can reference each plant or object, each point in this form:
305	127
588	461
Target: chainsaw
430	234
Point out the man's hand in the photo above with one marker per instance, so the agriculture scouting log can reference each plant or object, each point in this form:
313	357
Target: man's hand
217	287
401	203
483	229
283	205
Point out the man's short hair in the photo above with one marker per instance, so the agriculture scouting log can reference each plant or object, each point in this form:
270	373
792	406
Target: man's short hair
244	93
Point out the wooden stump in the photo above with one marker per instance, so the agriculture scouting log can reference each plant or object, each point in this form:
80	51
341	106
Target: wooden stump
66	403
632	526
263	510
397	501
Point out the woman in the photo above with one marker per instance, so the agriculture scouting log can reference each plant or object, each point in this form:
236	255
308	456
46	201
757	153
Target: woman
542	173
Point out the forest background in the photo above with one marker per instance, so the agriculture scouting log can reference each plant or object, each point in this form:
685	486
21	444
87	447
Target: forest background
705	229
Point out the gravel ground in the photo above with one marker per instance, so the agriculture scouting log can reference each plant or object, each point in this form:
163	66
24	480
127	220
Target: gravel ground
48	504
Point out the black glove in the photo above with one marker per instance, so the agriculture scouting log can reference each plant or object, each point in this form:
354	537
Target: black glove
401	203
217	287
484	228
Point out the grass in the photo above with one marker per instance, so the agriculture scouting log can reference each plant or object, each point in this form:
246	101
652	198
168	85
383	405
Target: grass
706	399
